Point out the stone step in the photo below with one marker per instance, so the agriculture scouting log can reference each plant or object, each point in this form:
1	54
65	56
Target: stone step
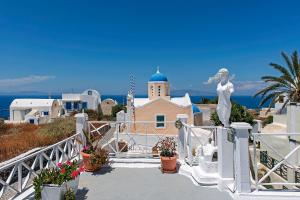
204	178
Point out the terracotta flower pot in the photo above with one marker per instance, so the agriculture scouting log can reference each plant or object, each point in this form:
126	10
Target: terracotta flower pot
88	166
168	164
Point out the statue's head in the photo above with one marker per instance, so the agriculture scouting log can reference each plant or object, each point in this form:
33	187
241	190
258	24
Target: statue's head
223	75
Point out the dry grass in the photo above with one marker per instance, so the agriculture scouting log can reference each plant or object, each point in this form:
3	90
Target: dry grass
18	139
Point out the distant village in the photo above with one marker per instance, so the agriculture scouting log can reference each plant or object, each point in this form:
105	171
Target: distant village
41	111
158	107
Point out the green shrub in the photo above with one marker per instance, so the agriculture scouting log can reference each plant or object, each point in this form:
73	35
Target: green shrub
238	114
93	115
116	109
205	100
268	120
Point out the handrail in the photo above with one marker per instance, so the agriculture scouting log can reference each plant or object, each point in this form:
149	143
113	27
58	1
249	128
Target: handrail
38	152
19	180
276	134
284	159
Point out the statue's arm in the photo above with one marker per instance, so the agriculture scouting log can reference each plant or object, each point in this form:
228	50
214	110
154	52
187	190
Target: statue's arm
230	88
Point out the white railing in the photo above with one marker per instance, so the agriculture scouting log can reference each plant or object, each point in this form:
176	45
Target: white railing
132	139
196	136
17	176
285	162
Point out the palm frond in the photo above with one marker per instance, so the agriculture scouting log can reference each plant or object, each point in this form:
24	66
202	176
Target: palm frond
289	64
268	89
288	83
274	79
295	61
286	74
271	97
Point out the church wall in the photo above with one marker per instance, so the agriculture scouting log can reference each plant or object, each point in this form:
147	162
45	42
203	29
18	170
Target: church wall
164	107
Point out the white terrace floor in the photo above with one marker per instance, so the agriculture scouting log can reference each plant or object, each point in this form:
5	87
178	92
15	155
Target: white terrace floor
143	183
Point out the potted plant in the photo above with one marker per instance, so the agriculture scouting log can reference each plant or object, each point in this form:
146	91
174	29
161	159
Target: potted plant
93	157
54	183
168	157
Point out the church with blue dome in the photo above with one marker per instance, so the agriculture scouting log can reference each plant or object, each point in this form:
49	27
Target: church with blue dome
160	107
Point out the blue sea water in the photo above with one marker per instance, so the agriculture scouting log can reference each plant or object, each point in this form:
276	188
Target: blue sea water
5	100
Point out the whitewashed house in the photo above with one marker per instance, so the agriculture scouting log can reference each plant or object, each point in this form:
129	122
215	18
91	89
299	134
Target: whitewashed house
107	105
34	111
89	99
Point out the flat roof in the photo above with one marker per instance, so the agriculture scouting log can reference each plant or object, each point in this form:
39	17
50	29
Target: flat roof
32	103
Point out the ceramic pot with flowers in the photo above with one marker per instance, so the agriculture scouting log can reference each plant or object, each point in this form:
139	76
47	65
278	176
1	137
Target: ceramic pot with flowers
94	159
168	157
54	183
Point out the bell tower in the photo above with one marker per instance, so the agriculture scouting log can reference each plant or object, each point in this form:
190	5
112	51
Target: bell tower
158	86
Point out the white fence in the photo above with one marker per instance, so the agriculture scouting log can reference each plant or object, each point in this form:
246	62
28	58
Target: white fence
196	136
131	139
286	168
17	176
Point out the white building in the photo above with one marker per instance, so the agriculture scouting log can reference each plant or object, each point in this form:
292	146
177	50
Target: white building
34	111
89	99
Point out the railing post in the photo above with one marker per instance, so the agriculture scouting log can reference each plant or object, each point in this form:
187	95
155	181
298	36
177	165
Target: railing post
20	177
225	159
81	124
117	138
181	137
241	152
189	144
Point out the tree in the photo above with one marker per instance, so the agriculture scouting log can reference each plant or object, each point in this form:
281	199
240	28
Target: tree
238	114
117	108
205	100
287	83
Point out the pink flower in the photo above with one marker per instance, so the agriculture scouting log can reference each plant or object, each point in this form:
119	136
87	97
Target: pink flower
85	148
69	163
59	165
81	169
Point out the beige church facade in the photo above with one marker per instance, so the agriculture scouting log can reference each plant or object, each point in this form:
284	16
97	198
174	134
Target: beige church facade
159	109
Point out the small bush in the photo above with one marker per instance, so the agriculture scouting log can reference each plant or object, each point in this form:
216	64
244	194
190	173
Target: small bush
116	109
93	115
268	120
205	100
238	114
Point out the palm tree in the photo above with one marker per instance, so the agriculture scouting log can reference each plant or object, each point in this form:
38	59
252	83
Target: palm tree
286	84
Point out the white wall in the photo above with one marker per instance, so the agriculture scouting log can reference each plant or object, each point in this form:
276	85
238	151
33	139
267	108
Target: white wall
280	119
92	101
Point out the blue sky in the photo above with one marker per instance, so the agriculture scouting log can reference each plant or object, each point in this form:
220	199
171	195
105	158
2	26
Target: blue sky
57	46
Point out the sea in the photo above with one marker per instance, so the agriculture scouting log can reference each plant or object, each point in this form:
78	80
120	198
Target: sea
5	100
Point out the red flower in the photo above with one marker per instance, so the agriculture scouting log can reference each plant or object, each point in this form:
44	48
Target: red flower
74	174
63	170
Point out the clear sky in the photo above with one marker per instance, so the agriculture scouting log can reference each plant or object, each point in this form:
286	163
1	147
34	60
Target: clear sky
57	46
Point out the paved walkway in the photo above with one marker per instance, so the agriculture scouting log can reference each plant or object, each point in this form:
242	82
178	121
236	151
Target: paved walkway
143	184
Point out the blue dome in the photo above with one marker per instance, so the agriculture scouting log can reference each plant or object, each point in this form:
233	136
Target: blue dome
195	109
158	77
